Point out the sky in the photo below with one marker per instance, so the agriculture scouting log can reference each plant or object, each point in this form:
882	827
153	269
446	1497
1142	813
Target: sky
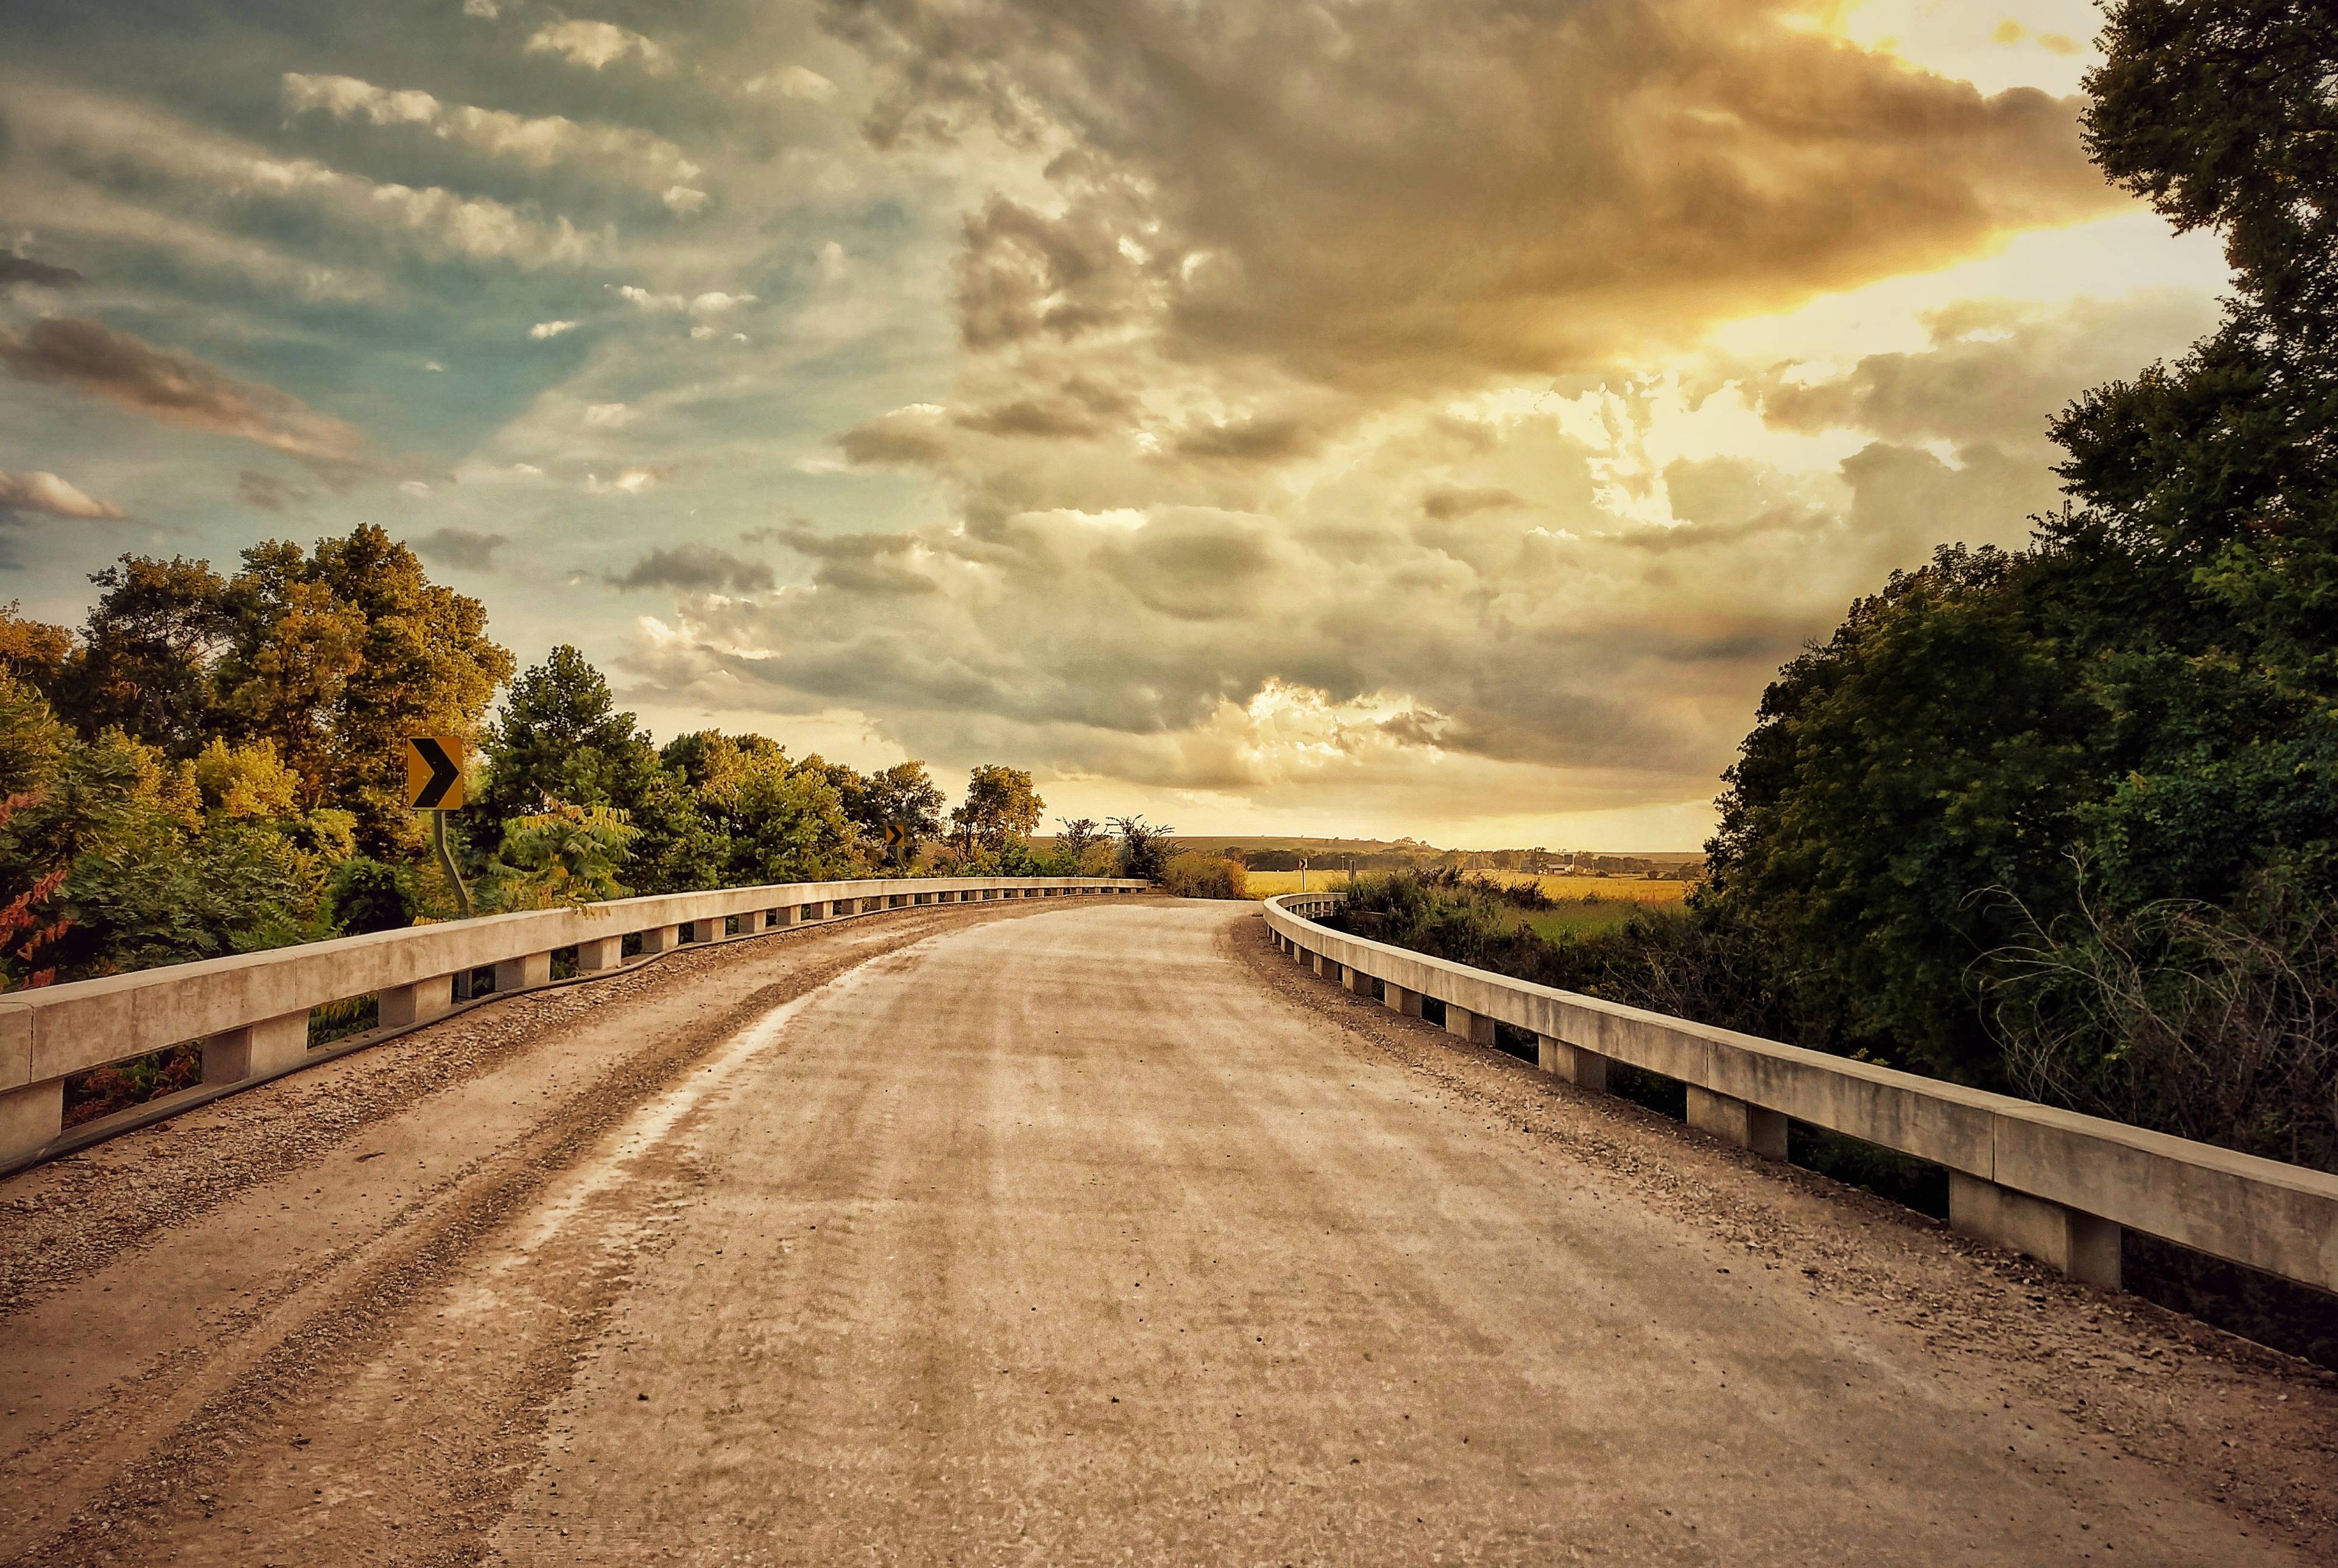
1329	417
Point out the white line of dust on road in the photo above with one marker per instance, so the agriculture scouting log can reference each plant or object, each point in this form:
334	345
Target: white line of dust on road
655	1122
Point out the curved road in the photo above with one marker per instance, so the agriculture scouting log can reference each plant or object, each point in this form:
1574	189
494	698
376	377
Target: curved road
1077	1233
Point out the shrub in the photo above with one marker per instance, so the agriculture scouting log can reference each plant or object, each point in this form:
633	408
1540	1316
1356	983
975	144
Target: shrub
366	895
2213	1023
1205	876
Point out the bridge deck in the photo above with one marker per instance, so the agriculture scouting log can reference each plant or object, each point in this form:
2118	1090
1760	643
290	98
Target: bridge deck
1073	1234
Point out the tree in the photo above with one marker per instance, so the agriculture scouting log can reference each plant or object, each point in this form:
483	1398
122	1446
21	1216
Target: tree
1000	806
33	652
367	895
903	796
559	737
246	781
566	855
1935	747
778	824
148	647
2114	754
339	655
1144	846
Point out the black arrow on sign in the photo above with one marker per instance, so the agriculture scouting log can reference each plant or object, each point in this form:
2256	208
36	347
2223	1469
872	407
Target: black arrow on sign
442	773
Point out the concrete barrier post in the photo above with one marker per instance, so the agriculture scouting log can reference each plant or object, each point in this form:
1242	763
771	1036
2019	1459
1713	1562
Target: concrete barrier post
600	952
401	1005
661	939
30	1117
256	1049
1475	1027
2082	1246
519	974
1397	997
1584	1069
1736	1121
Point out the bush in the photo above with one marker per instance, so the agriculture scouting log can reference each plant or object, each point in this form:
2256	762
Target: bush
367	895
1205	876
2213	1023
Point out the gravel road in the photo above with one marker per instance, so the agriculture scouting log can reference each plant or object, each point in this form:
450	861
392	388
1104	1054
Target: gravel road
1070	1234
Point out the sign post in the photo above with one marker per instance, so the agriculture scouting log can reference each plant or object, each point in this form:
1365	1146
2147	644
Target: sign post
434	783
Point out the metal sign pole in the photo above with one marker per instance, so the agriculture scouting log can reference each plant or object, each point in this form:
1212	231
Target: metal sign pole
446	859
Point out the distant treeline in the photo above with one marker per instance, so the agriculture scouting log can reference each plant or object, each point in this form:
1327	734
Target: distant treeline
211	764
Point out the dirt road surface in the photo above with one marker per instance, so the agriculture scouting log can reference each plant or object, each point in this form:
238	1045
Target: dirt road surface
1081	1233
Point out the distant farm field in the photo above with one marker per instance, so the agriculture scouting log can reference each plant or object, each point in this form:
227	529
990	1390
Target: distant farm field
1586	903
1604	889
1267	884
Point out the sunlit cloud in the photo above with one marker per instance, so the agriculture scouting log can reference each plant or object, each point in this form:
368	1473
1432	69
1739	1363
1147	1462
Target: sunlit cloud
1363	419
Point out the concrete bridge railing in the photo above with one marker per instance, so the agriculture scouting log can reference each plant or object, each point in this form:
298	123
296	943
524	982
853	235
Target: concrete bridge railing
251	1012
2054	1184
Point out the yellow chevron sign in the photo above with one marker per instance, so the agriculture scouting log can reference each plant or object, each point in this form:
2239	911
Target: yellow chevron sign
433	772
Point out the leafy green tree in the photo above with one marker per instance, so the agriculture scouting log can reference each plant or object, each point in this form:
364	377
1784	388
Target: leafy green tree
902	796
153	893
337	656
779	824
1934	749
2029	780
559	737
1144	846
1000	806
33	652
566	855
681	846
367	895
148	644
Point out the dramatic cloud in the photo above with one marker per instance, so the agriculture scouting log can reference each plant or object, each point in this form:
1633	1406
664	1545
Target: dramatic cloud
51	496
464	547
792	82
1375	192
536	141
270	491
1371	416
102	142
696	569
177	389
597	44
16	269
634	481
1993	371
